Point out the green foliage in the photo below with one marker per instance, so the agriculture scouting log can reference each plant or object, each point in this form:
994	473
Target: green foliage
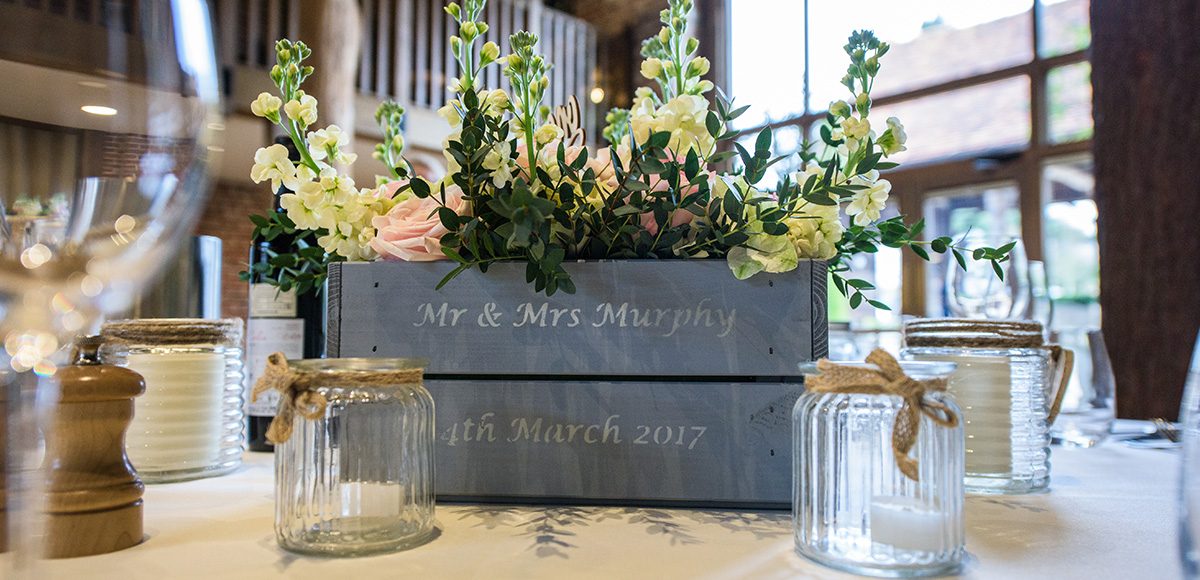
303	269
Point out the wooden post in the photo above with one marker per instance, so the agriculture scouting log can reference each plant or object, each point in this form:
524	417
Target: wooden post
333	29
1146	103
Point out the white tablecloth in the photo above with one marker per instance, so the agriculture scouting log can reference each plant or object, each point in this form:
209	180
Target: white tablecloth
1110	514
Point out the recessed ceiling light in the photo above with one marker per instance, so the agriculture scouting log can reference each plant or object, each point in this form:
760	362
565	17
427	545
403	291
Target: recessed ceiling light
597	95
98	110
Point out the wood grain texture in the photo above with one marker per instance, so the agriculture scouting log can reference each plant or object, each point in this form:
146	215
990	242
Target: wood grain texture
1146	93
711	444
93	497
636	317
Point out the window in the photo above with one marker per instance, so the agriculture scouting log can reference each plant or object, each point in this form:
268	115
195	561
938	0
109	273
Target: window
996	98
1072	254
990	210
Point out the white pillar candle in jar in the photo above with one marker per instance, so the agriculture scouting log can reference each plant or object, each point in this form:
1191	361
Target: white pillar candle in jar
188	424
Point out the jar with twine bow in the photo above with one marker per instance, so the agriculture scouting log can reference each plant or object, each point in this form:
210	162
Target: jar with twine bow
878	468
1010	383
353	454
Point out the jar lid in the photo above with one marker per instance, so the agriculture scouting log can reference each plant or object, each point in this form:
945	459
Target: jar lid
969	333
917	369
173	331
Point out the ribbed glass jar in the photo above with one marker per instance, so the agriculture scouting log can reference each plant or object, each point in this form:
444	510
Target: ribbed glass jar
1004	396
358	480
188	424
853	509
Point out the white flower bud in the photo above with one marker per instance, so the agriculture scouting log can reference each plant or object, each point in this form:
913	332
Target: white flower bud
839	109
698	67
490	52
664	35
652	68
469	31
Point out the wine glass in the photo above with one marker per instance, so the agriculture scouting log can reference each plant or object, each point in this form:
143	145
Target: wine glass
977	292
1189	481
109	116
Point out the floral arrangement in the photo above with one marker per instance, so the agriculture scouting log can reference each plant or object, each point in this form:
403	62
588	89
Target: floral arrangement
523	186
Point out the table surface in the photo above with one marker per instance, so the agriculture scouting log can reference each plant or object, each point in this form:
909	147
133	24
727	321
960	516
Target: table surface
1110	513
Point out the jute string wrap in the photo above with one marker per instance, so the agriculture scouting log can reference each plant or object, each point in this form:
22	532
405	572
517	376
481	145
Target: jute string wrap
173	331
993	334
889	379
298	389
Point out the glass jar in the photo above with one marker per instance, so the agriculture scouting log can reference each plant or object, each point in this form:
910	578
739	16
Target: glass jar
1004	382
358	479
853	509
188	424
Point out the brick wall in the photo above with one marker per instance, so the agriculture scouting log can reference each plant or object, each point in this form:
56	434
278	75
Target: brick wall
225	218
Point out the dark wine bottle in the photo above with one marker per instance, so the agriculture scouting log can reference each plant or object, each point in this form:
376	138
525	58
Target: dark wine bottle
279	321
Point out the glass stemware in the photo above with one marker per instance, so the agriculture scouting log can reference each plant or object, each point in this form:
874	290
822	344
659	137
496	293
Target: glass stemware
976	291
108	124
1189	488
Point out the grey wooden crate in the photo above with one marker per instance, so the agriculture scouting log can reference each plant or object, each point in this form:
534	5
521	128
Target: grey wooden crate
624	352
638	317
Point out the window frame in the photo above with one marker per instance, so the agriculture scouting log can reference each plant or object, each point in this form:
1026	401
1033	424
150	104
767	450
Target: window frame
912	183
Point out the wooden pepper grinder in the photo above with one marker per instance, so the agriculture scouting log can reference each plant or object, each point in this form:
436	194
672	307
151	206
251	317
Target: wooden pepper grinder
93	497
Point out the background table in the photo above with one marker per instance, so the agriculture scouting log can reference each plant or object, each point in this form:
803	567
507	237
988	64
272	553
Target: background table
1110	514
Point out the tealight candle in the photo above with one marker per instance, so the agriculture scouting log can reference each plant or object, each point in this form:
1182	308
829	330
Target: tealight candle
869	499
907	523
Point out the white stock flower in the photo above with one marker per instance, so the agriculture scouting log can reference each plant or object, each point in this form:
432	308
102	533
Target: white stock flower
867	204
272	163
855	128
266	105
547	133
498	99
894	137
303	110
450	113
328	143
499	162
652	68
683	117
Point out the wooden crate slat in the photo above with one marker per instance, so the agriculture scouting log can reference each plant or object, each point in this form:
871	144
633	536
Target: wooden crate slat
638	317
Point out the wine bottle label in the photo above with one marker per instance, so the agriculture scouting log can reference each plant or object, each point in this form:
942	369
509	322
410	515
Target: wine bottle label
266	336
267	301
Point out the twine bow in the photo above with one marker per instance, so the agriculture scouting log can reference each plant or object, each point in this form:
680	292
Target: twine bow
296	395
889	379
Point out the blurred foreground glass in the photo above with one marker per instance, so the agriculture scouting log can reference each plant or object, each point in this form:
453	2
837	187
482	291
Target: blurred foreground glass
1089	405
1189	496
108	118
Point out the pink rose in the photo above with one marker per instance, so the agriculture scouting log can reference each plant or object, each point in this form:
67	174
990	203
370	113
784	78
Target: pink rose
681	216
412	231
